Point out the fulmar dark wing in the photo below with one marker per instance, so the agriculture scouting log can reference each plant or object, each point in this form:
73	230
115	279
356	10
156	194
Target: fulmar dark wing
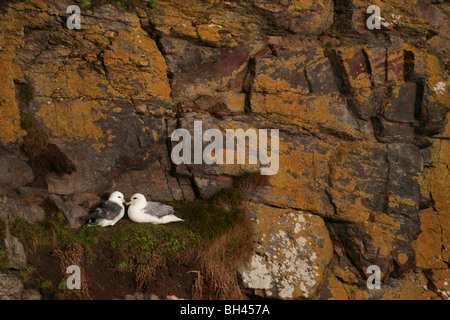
111	210
158	209
105	210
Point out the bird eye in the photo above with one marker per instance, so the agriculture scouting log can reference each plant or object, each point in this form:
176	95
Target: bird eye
134	198
119	197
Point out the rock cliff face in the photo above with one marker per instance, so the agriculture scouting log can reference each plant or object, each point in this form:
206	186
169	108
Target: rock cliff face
364	145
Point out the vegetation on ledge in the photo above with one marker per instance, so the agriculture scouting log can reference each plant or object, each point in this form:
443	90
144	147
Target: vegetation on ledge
214	237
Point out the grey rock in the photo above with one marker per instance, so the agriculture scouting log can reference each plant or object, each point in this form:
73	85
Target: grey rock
31	213
205	102
10	287
387	131
31	294
14	172
153	297
209	185
16	256
72	213
401	105
321	77
139	296
295	252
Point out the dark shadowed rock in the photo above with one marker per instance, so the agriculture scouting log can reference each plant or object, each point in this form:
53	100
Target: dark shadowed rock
209	68
387	131
14	171
72	213
401	104
27	211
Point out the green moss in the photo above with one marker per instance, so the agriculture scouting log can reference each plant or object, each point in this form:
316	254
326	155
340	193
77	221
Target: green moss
28	121
143	248
84	235
46	284
122	4
152	4
86	5
27	91
329	46
60	217
25	275
62	285
142	241
50	231
175	239
123	265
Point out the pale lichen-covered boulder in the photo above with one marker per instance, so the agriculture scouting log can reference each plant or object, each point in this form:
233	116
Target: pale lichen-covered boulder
292	252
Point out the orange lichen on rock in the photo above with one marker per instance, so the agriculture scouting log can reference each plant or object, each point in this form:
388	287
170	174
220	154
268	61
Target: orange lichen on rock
428	245
9	112
433	244
300	180
135	67
319	110
74	121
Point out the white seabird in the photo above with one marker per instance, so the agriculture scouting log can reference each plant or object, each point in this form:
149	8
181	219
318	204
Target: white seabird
106	213
143	211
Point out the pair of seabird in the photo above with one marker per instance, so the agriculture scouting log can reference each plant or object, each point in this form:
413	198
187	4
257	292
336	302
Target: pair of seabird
107	213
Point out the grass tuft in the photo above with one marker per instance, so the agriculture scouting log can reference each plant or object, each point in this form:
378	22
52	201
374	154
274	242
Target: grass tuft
49	231
36	140
27	91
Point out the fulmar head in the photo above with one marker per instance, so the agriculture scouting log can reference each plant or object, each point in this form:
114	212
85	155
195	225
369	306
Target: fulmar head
138	200
117	197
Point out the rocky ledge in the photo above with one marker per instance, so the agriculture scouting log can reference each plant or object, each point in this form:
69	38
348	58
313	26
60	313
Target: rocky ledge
364	148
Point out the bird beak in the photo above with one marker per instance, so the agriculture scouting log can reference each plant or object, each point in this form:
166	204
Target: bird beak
127	203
